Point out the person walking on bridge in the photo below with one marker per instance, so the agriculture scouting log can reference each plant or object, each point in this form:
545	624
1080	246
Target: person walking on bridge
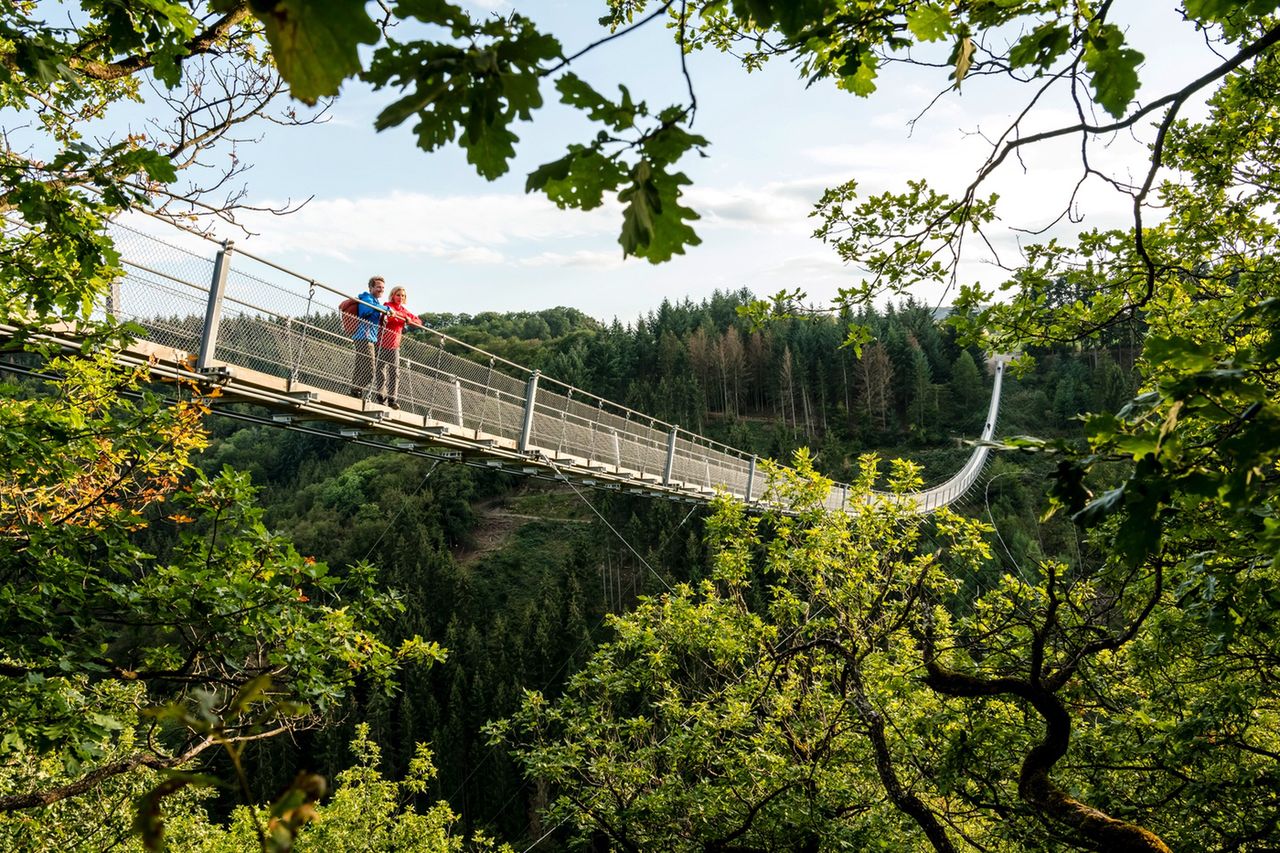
369	312
393	324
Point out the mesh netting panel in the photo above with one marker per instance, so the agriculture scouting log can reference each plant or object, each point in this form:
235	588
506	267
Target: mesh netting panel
425	391
170	313
709	467
645	452
446	387
731	475
835	499
549	428
319	358
567	426
253	341
191	264
594	430
688	466
273	291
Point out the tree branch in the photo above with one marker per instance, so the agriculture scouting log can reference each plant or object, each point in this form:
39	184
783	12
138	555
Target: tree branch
201	43
614	35
1034	784
93	778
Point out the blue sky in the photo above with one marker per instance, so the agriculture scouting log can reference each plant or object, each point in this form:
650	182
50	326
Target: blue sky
462	244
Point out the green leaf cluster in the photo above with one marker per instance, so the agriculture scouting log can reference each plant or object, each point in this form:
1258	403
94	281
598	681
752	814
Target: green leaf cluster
471	90
315	45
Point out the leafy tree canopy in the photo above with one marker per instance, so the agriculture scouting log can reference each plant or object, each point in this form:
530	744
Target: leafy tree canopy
1182	597
839	681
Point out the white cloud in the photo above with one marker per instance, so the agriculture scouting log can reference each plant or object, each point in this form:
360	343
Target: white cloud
782	204
487	6
581	259
474	255
471	228
818	263
879	165
742	206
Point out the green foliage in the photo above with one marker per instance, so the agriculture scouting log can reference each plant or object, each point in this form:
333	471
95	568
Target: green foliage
1202	431
579	179
471	86
779	702
1041	47
1114	68
61	189
227	632
101	817
929	22
512	597
366	811
652	219
1048	683
471	93
369	812
717	711
315	45
901	239
966	389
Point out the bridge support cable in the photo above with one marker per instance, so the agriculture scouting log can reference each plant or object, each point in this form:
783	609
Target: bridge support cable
403	506
569	482
259	330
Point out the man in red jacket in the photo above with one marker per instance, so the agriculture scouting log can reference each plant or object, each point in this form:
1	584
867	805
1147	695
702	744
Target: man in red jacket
397	317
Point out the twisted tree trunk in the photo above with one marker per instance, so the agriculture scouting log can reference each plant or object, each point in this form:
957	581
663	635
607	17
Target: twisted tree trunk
1034	785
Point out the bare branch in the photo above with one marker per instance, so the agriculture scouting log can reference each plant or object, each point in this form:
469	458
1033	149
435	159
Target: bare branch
661	10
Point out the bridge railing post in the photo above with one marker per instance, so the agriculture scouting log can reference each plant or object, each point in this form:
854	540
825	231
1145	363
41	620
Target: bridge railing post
213	311
671	457
530	400
751	479
113	305
295	366
618	438
457	401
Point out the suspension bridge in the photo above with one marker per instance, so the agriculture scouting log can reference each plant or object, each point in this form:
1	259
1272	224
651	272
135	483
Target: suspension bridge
213	313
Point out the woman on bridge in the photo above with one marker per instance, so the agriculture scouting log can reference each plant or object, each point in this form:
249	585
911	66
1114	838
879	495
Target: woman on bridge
397	317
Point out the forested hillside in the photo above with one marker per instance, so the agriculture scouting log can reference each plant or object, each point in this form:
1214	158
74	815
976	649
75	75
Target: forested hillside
515	577
762	389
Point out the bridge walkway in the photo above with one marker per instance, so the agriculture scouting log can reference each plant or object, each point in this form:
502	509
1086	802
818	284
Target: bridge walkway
268	335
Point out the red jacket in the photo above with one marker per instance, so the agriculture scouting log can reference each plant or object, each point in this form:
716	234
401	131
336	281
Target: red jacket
393	323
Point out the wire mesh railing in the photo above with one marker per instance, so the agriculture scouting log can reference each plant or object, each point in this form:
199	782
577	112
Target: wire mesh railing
232	308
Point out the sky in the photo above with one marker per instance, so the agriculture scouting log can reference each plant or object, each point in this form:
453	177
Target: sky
460	244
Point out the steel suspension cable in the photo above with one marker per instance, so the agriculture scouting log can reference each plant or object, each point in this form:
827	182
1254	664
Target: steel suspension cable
599	515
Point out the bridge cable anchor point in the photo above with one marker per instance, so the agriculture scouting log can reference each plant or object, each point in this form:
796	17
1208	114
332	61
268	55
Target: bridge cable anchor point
221	373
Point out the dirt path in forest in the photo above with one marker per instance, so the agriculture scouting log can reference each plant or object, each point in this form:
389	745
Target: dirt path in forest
495	525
